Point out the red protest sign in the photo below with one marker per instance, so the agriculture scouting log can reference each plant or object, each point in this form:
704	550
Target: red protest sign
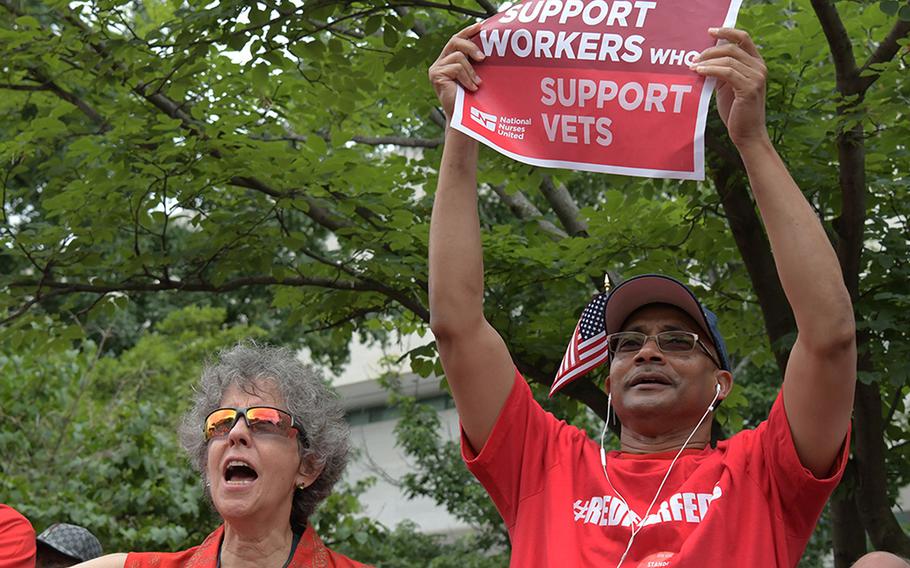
596	85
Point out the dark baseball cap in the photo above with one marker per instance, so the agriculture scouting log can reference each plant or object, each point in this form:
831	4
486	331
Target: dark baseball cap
647	289
72	540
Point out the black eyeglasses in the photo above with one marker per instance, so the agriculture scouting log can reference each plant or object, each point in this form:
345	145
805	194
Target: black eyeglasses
667	342
259	419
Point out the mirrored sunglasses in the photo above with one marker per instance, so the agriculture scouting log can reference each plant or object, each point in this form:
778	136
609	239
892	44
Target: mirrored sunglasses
259	419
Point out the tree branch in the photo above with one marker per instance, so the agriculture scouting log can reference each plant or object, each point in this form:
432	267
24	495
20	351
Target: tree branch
20	311
488	7
564	206
438	117
447	7
45	83
197	286
353	315
522	208
401	297
14	87
404	141
839	42
314	211
885	52
90	112
892	408
30	303
418	28
228	286
726	171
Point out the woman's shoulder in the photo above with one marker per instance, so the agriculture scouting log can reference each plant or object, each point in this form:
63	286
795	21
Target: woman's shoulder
205	554
338	560
202	555
162	559
312	552
117	560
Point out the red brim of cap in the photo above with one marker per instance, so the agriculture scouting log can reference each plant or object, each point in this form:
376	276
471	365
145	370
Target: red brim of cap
651	289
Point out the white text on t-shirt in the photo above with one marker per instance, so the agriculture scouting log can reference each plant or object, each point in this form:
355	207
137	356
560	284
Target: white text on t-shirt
608	510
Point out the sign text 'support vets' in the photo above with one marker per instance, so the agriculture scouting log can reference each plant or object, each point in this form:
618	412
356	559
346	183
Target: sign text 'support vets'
596	85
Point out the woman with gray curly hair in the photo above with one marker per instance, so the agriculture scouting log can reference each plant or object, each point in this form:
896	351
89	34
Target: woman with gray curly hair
270	442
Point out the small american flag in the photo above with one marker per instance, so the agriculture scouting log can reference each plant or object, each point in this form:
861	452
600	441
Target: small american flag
588	347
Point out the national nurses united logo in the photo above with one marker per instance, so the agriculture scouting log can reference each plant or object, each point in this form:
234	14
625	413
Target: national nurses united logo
512	127
484	119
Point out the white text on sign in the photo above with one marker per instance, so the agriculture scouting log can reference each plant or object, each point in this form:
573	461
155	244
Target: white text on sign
593	13
581	93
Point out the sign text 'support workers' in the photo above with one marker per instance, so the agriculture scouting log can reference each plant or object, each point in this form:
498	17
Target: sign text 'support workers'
596	85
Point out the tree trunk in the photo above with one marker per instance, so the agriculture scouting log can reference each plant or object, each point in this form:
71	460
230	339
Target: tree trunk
872	478
873	504
729	179
847	529
872	501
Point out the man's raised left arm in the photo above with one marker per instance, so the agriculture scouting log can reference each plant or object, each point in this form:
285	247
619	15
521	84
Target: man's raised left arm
820	377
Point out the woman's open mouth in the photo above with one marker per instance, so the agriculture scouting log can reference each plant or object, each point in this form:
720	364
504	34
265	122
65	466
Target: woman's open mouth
239	472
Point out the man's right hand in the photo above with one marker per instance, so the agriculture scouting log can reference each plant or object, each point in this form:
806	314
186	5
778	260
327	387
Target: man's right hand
454	64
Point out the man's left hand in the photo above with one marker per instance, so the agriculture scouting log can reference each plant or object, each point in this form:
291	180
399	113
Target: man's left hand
741	74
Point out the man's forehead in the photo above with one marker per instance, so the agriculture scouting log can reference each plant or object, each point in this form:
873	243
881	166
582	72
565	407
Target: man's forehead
662	317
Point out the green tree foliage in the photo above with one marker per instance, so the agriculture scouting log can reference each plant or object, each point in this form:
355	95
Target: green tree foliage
340	519
94	442
441	475
277	161
94	438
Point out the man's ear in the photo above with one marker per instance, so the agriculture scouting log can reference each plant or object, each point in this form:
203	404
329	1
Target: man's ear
607	385
725	380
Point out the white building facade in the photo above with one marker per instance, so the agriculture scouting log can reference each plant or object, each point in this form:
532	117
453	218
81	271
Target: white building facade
376	454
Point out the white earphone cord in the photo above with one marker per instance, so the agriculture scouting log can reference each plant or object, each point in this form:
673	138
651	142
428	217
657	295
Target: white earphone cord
636	527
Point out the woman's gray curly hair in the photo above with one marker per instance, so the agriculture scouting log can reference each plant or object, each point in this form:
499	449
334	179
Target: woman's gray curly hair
319	413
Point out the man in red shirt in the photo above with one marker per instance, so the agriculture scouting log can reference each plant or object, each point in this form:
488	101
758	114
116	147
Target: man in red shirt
668	498
17	539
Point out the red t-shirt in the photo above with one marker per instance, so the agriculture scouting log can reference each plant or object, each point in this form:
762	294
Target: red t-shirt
748	503
310	553
17	540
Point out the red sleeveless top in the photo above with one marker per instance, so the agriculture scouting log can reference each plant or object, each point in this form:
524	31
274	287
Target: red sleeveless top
310	553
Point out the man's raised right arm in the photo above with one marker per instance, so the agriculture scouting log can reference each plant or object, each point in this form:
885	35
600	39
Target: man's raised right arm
475	358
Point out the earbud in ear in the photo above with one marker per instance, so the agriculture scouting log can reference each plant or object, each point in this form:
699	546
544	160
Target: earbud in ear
717	389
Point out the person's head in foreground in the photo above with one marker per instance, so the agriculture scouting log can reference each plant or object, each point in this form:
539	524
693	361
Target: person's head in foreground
270	442
63	544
